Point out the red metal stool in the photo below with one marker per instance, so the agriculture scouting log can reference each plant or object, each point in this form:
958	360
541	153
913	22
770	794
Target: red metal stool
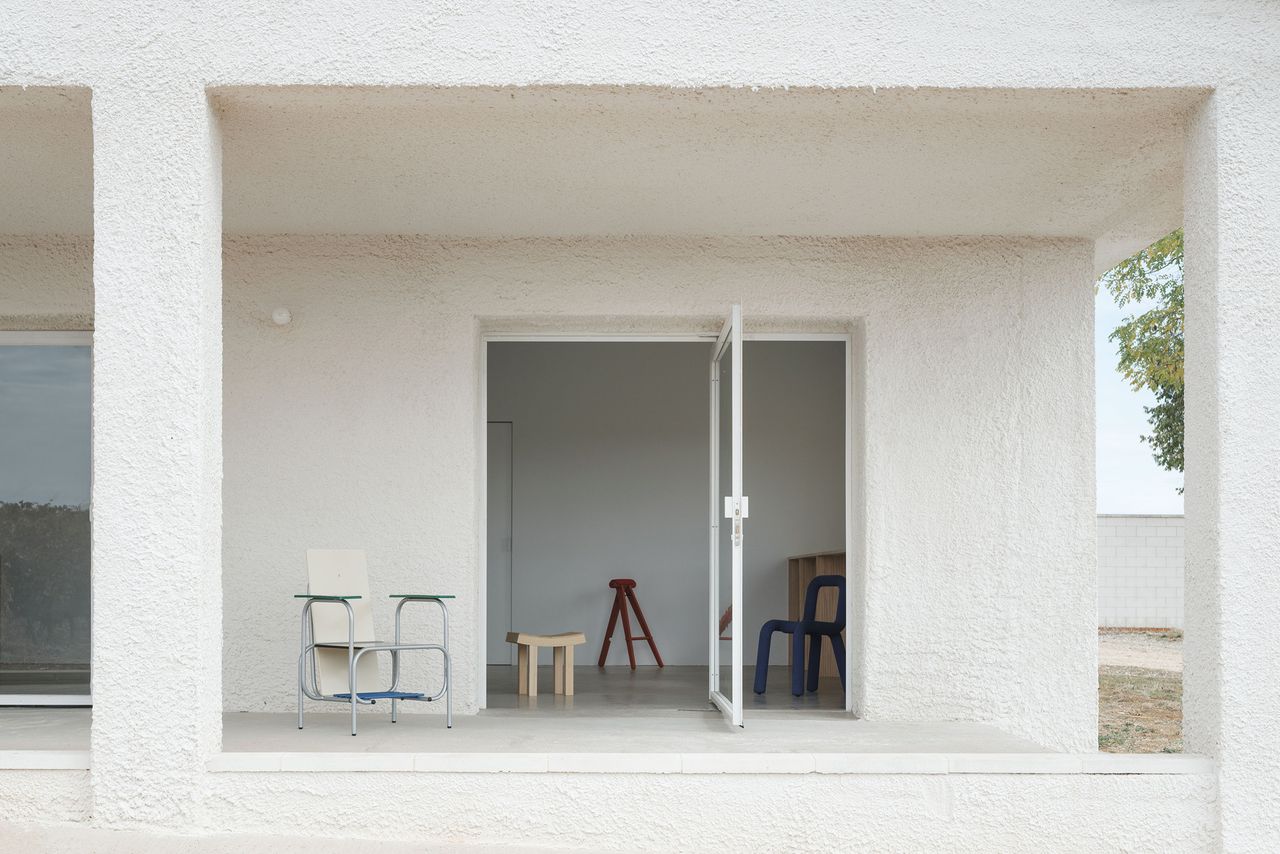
624	592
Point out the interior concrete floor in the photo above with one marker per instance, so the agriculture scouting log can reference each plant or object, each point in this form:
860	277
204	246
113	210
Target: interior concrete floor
619	690
545	731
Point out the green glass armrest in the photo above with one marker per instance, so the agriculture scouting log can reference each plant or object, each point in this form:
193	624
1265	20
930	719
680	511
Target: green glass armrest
324	598
421	596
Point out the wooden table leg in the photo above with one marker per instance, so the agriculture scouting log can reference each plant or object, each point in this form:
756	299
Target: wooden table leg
533	671
522	670
568	671
557	654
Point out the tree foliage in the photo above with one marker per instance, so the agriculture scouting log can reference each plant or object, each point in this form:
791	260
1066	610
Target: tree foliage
44	585
1150	344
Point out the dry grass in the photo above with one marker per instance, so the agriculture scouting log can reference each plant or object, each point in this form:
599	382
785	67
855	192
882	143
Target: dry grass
1139	708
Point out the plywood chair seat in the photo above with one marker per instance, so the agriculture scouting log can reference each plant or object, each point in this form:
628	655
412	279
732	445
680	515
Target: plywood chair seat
530	639
527	645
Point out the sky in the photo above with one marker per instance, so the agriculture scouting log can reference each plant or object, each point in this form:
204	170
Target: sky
1129	481
44	424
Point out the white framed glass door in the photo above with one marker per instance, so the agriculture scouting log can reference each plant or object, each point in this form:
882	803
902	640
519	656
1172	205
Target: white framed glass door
728	510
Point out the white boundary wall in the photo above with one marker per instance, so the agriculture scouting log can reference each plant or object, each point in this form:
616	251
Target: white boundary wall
1140	571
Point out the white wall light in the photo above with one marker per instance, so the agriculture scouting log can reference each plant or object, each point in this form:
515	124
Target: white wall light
281	317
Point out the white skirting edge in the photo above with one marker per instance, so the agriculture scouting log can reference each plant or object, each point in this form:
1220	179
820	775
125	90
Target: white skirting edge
56	760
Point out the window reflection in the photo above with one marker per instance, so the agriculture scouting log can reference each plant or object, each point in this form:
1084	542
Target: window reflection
44	519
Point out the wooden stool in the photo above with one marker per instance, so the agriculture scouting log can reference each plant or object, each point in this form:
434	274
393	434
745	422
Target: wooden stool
624	592
527	646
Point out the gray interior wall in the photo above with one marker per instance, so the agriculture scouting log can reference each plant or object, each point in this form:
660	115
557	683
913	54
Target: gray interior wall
610	479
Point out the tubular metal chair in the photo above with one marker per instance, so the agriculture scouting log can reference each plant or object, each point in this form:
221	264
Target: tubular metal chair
806	627
337	634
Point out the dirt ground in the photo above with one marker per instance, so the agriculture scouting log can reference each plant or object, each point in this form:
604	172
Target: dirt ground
1139	691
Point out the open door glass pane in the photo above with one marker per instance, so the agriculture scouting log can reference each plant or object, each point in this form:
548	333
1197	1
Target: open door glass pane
726	521
729	621
44	524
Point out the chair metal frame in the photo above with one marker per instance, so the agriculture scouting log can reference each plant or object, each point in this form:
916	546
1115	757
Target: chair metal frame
308	680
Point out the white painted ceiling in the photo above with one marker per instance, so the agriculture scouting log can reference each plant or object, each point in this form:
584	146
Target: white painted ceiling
617	161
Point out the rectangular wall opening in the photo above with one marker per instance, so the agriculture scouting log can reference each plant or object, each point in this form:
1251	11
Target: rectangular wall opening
597	469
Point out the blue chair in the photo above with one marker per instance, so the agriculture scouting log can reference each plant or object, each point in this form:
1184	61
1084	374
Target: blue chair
810	628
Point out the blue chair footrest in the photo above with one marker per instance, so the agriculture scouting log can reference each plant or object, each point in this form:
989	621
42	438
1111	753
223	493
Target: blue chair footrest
383	695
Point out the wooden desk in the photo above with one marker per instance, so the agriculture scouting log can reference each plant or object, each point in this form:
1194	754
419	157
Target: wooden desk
801	569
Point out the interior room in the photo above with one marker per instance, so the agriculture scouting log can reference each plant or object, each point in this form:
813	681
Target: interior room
598	459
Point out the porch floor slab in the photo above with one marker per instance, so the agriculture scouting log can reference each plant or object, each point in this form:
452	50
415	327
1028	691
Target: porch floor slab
497	731
517	741
650	719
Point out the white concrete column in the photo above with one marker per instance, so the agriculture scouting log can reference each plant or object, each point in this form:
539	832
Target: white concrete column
157	450
1232	689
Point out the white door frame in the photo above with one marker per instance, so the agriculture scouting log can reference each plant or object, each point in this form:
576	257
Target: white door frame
74	338
853	560
730	342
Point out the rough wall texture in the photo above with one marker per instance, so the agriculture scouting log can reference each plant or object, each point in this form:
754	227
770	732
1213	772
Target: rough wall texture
696	813
357	423
145	48
46	283
44	796
1140	571
1233	405
876	813
157	451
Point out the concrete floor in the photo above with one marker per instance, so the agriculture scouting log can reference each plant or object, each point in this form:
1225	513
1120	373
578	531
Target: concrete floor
658	711
619	690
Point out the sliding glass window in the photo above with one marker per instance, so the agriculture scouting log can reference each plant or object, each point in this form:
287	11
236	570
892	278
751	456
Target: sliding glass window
44	518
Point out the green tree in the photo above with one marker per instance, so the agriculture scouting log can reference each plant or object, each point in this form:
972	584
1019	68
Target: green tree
1150	344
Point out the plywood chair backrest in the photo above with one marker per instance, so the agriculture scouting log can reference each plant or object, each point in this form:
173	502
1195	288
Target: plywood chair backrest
340	572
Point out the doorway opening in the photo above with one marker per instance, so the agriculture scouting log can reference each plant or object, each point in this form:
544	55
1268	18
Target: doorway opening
597	461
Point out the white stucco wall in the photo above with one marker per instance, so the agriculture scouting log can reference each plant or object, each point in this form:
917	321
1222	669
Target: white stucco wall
1233	404
149	64
46	282
358	424
1140	571
823	812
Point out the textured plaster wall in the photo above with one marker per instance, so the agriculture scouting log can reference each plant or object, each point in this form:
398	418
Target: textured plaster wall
876	813
358	425
740	813
1233	492
44	797
151	57
157	451
46	282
